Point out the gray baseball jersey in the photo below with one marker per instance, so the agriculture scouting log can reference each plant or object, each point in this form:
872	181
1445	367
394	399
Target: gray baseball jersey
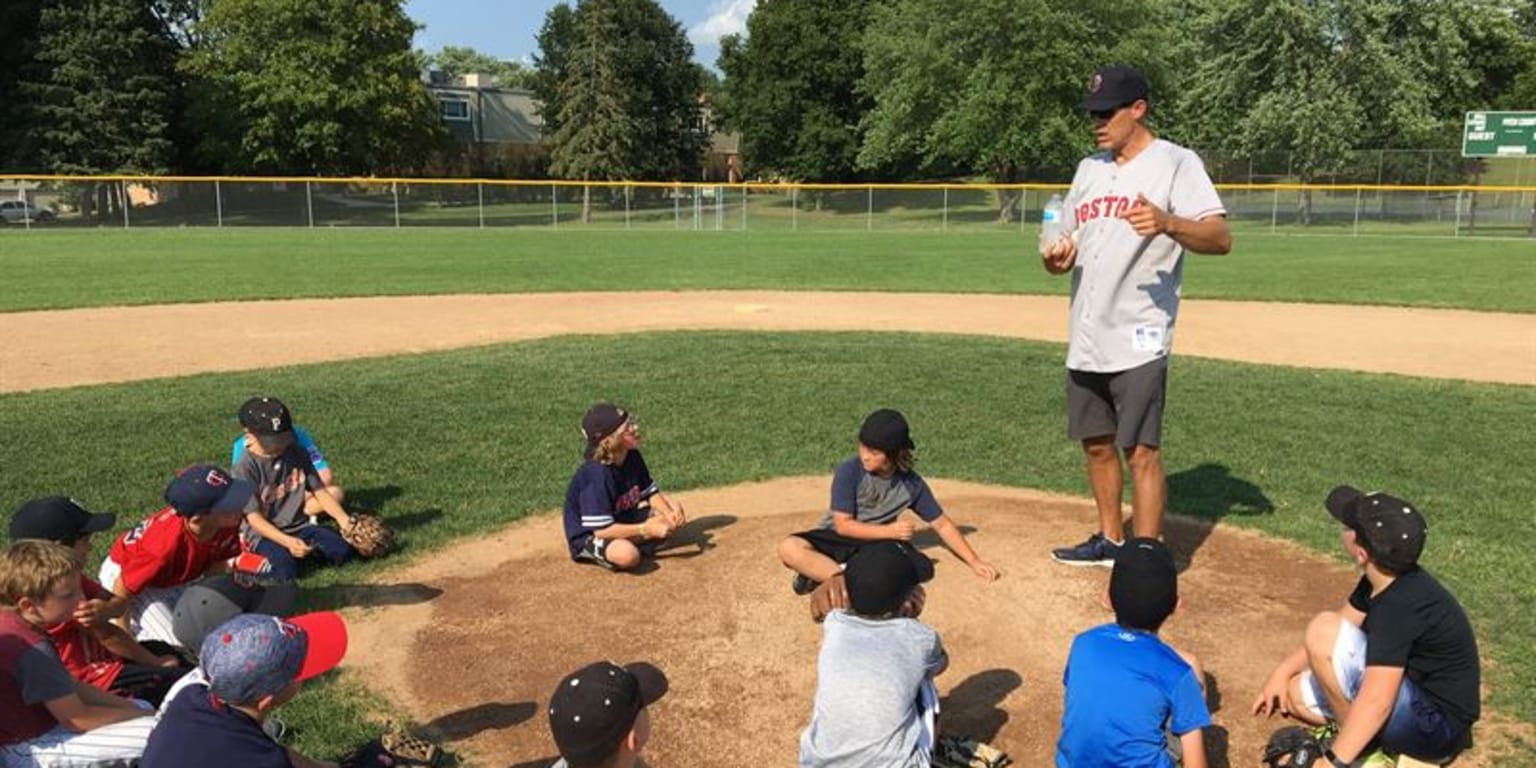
1125	288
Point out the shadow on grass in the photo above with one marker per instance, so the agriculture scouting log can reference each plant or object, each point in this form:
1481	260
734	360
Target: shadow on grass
491	716
373	499
368	596
1203	496
974	707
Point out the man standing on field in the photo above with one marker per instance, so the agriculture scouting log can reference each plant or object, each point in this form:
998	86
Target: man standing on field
1132	211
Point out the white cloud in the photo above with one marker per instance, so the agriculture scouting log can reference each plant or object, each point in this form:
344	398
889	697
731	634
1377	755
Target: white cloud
726	17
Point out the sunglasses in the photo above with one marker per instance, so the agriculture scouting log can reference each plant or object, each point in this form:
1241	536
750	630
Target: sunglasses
1105	114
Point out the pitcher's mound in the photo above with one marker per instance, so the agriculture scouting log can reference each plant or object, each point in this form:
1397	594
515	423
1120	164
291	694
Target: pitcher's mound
478	661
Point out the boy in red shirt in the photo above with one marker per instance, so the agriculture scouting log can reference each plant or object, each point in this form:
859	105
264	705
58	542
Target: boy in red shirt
94	650
195	535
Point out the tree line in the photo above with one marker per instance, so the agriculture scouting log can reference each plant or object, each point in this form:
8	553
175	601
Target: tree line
827	92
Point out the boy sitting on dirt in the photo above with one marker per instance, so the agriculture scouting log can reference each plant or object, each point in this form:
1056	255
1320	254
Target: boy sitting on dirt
612	503
1126	689
875	699
600	714
869	493
1397	665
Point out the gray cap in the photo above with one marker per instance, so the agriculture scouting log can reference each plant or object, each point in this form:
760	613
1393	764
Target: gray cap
215	600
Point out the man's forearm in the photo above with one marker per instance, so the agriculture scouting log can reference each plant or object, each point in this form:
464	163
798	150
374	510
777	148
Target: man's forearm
1210	235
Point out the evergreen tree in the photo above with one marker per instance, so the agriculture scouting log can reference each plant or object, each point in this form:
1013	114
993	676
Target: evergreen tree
791	88
620	93
102	89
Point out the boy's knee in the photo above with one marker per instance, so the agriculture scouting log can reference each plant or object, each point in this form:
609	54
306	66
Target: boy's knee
1322	631
790	546
621	554
337	492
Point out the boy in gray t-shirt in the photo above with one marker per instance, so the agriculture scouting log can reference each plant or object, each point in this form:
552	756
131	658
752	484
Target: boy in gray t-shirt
277	526
875	700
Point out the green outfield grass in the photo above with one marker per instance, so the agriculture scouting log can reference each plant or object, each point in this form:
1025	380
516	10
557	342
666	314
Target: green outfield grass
74	268
449	445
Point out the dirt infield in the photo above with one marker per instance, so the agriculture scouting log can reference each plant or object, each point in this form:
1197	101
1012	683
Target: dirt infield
39	350
496	622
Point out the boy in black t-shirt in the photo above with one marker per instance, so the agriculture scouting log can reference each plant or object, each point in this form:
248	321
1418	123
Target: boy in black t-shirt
1397	666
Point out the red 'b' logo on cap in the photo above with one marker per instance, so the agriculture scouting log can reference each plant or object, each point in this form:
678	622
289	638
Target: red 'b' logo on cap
216	478
1098	82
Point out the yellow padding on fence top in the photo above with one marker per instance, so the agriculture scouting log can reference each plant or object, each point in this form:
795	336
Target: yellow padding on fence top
760	186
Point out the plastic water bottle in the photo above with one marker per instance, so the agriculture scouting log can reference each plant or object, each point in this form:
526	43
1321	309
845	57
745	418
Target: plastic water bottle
1051	222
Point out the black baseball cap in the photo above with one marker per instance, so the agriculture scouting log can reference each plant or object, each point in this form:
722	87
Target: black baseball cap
886	430
266	416
1144	585
1390	529
595	707
602	420
203	488
1114	86
58	519
880	576
206	604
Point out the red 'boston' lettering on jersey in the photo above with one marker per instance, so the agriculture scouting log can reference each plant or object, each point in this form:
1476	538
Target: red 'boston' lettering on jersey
1099	207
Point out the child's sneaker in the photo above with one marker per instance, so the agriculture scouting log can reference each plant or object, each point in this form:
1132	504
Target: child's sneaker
1378	759
1097	550
803	585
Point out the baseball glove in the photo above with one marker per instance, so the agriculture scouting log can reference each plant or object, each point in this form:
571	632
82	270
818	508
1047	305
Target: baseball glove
959	752
394	749
1292	747
369	536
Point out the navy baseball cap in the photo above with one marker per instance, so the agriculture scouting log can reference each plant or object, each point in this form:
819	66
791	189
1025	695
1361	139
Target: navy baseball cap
58	519
594	708
1113	87
886	430
266	416
1144	585
602	420
203	488
1391	529
253	656
881	576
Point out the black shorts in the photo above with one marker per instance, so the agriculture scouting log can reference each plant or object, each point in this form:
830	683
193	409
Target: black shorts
832	544
1127	405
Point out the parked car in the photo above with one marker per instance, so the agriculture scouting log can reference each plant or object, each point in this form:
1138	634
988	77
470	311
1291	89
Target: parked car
22	212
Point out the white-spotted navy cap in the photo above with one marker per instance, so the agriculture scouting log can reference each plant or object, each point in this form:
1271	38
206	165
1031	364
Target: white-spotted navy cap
594	708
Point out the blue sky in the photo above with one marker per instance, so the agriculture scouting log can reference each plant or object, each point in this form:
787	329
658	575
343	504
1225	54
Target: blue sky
506	28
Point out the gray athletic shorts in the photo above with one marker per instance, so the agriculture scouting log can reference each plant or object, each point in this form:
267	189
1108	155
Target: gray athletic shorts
1126	404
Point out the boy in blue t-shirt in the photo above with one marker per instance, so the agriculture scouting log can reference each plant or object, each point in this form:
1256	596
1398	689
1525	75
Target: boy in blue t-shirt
1126	688
612	506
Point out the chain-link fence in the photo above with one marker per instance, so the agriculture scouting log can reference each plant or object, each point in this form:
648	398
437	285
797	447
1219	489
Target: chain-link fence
1261	205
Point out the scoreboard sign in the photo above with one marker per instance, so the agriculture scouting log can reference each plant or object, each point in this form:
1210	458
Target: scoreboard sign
1499	134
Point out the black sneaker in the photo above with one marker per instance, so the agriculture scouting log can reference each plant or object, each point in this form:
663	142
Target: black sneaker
1097	550
803	585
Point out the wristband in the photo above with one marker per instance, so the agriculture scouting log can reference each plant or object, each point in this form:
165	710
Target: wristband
1334	759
